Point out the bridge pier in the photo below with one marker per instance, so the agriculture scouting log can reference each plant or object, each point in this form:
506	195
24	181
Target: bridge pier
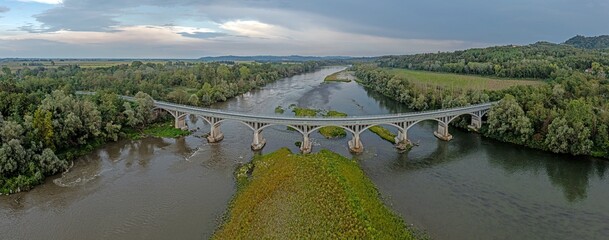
180	121
442	132
401	141
259	141
476	123
355	144
306	145
215	135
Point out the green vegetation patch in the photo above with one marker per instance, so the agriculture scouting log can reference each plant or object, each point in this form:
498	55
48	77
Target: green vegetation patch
333	113
279	110
304	112
315	196
333	132
384	133
165	130
466	82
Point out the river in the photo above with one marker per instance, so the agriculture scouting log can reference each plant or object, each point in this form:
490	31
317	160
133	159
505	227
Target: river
468	188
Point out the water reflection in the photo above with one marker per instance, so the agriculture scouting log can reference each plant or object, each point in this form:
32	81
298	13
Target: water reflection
571	174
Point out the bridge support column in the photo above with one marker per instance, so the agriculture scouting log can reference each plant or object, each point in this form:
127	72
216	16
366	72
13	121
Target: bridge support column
355	144
476	123
306	145
259	141
401	141
215	135
180	121
442	132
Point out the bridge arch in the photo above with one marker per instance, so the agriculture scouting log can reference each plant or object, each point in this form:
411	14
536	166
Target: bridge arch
232	120
390	124
473	114
286	125
173	113
340	126
423	120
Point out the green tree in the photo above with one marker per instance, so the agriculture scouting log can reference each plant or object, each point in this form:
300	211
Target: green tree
50	163
508	121
131	118
43	123
10	130
13	157
145	106
571	133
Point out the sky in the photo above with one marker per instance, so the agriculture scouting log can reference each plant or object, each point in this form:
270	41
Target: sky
196	28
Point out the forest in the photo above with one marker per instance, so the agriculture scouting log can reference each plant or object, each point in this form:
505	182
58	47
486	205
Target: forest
569	114
599	42
43	126
536	61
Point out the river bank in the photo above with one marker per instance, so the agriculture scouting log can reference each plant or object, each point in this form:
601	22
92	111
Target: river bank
313	196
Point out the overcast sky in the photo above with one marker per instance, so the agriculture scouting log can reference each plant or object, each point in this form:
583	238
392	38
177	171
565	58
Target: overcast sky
195	28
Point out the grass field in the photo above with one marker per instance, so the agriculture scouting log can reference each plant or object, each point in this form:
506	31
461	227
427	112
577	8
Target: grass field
314	196
459	81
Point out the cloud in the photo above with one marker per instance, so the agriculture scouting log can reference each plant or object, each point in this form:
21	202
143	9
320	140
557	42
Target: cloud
203	35
255	29
44	1
4	9
192	28
182	42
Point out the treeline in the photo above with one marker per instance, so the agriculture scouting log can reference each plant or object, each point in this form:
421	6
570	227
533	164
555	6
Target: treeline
183	82
43	126
540	61
416	96
568	115
598	42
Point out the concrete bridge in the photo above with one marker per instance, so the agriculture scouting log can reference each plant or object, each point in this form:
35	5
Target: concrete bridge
306	125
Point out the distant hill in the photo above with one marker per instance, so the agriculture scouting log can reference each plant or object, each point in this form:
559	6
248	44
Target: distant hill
293	58
599	42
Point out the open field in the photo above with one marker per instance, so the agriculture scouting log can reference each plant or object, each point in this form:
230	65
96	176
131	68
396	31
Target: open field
459	81
314	196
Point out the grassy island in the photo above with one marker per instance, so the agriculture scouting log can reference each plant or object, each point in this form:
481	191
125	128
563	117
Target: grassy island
316	196
342	76
383	133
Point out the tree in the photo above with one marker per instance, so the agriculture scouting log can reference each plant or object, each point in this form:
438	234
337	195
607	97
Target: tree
244	72
13	157
50	163
145	105
43	124
508	121
10	130
571	133
6	70
131	118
